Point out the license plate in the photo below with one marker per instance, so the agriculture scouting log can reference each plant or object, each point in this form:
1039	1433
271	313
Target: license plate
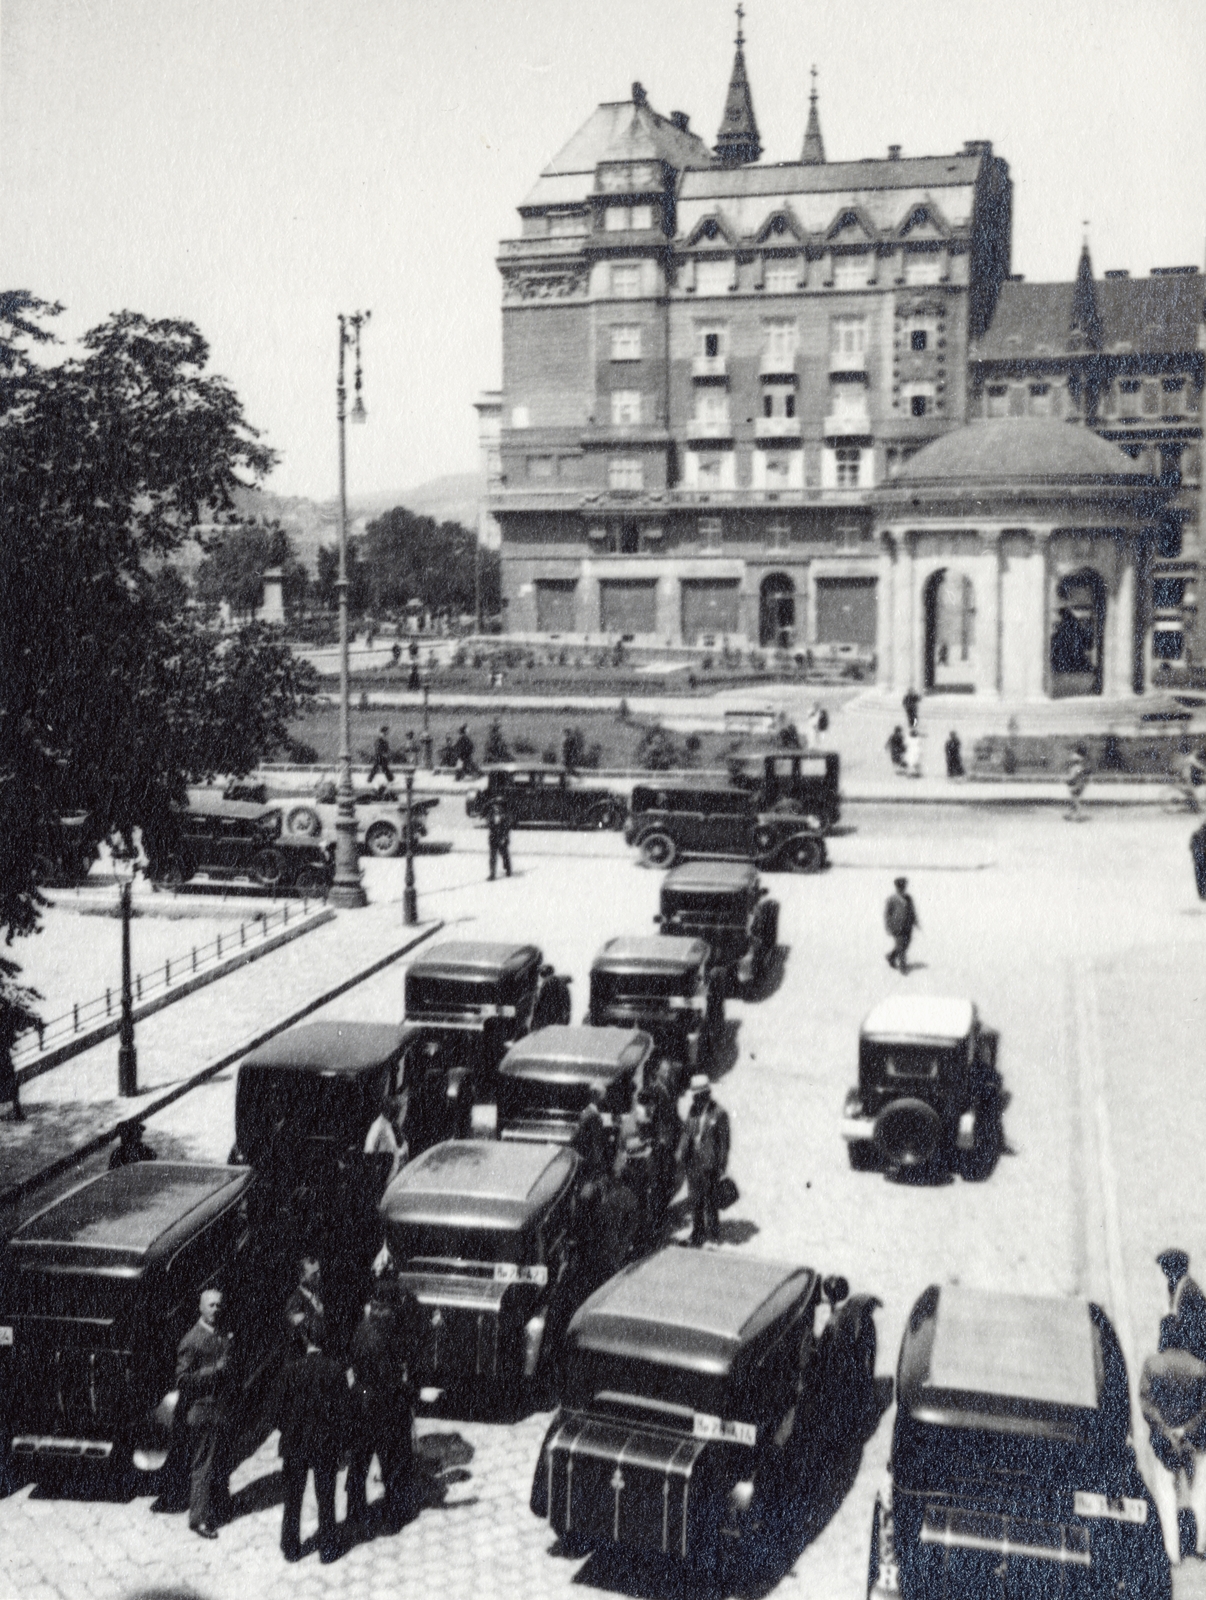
1117	1509
6	1336
508	1272
705	1426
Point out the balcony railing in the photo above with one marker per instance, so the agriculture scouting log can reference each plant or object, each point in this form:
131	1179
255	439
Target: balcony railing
709	428
776	427
853	361
709	367
774	365
846	424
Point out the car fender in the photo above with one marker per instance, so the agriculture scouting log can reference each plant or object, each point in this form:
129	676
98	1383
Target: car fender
154	1437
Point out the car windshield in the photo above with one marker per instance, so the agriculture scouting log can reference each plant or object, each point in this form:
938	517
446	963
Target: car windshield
447	994
914	1061
670	1395
414	1244
704	910
608	987
531	1097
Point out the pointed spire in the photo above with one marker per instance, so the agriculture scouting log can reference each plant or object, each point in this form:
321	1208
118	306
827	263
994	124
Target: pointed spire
738	142
1086	317
813	154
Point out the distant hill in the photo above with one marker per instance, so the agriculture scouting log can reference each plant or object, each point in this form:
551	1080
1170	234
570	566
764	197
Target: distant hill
311	523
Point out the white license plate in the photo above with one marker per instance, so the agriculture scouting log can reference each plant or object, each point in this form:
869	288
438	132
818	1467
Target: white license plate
1120	1509
6	1336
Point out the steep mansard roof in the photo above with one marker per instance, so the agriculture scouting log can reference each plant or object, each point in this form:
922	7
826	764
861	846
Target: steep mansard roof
622	130
1151	315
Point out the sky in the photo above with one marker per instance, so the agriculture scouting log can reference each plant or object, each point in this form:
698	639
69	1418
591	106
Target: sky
258	166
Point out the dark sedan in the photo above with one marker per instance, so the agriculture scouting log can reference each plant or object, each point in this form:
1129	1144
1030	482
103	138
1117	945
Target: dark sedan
548	797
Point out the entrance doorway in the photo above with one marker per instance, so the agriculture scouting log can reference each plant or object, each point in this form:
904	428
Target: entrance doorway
949	599
1078	634
777	612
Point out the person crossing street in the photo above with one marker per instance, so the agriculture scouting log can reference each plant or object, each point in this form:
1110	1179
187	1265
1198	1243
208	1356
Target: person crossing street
704	1150
900	919
498	829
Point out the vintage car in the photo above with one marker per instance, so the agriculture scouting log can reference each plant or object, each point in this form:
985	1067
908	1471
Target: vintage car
804	783
304	1103
927	1088
480	1233
236	839
97	1290
548	797
673	820
665	986
380	818
466	1001
1012	1470
701	1391
725	904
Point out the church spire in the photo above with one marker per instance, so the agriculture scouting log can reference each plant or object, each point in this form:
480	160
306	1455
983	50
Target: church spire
1086	317
813	154
738	142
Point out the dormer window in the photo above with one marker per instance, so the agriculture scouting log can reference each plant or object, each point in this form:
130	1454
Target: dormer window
923	267
851	272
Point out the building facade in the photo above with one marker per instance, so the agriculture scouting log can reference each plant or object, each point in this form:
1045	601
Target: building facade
715	369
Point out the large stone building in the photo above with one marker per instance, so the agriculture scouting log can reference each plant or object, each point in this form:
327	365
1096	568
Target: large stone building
715	369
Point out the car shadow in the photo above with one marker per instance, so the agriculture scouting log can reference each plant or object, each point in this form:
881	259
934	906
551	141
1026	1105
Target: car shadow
724	1057
772	975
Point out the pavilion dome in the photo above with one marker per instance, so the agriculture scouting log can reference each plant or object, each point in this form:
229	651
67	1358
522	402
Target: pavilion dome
1019	449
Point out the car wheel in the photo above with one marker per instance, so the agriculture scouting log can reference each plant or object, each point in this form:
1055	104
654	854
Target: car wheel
805	854
383	840
764	841
268	868
605	817
303	822
172	871
312	880
658	850
909	1134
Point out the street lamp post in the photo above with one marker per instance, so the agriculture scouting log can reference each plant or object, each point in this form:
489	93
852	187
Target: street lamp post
410	899
127	1056
347	890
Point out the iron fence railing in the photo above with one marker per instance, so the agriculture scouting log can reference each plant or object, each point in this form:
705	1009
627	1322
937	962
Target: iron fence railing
85	1015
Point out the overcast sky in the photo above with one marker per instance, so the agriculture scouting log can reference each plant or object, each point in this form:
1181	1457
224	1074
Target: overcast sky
257	166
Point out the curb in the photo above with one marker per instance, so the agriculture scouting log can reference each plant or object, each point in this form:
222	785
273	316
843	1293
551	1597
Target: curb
24	1186
107	1030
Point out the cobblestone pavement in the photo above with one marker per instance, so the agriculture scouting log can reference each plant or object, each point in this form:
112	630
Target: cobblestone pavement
1083	945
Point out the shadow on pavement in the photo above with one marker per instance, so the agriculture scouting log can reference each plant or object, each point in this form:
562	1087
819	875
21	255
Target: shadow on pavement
725	1057
772	975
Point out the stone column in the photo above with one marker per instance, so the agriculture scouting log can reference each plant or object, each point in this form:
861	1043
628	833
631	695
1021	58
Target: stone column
1119	678
988	615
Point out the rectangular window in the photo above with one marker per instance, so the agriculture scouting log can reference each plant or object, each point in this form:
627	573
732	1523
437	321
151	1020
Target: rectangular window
1040	400
778	534
789	403
1167	593
711	342
781	341
710	531
1129	386
642	216
923	267
1173	385
917	404
710	471
626	282
768	405
776	470
848	335
713	277
564	222
918	339
626	343
849	460
998	399
711	405
851	272
625	408
625	472
782	275
541	467
1168	644
615	219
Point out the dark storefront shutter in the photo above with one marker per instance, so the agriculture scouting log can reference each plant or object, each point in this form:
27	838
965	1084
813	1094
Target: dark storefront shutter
628	605
846	611
555	604
710	605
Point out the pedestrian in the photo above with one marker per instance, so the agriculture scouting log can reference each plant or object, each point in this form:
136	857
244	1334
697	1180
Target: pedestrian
590	1139
815	724
704	1151
312	1414
204	1377
1077	777
789	736
383	1143
912	754
381	756
305	1314
382	1410
1172	1398
911	704
462	752
410	756
1197	849
131	1147
900	919
1184	1328
498	829
1190	775
570	750
954	756
896	747
661	1104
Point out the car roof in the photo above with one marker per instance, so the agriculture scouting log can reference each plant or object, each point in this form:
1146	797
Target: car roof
575	1053
330	1047
487	1182
473	958
210	803
690	1308
920	1017
1014	1347
714	877
665	951
118	1217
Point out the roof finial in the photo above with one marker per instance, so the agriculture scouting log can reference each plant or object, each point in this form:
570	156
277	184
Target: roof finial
812	72
738	141
740	17
813	153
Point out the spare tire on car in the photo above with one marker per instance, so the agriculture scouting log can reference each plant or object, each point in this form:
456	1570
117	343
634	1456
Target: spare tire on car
303	822
908	1133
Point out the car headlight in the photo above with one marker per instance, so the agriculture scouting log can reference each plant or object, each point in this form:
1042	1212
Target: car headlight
741	1497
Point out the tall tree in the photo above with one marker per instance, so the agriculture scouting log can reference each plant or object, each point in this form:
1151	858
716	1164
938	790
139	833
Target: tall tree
238	558
416	558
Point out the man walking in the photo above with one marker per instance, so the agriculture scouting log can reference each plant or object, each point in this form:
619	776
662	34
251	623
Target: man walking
203	1378
381	756
900	919
312	1415
704	1149
1077	776
954	756
911	704
498	829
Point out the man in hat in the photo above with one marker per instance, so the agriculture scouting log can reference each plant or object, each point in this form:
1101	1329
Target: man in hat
900	918
498	834
704	1150
381	756
1185	1326
1172	1398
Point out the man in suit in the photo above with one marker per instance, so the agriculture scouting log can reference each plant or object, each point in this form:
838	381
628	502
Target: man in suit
305	1314
204	1371
705	1152
312	1415
900	918
498	831
383	1399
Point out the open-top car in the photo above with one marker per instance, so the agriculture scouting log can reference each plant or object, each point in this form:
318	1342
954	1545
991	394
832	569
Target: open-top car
236	839
702	1392
548	797
466	1001
725	903
481	1232
928	1090
663	985
96	1291
673	821
1012	1469
380	818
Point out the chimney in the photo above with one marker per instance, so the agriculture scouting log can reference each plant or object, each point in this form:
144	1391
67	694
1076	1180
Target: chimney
681	120
893	152
977	147
639	96
1118	272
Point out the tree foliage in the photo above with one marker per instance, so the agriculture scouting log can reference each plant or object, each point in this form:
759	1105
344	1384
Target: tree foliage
238	558
406	557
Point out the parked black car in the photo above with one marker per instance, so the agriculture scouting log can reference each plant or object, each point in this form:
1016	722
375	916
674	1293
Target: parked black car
665	986
698	1392
725	904
96	1291
804	783
928	1090
237	839
304	1103
481	1232
1012	1469
548	797
466	1001
673	820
